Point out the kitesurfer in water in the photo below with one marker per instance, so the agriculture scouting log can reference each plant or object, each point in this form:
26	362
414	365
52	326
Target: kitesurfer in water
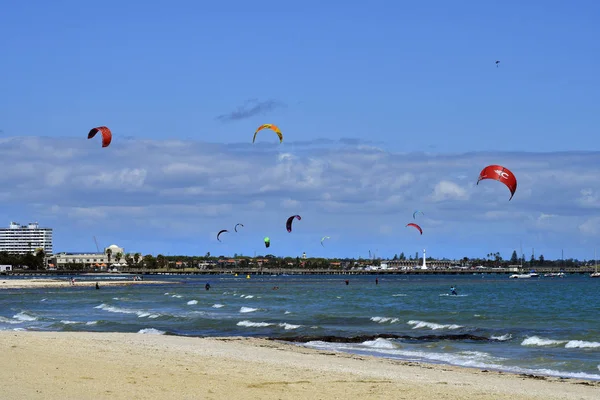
453	291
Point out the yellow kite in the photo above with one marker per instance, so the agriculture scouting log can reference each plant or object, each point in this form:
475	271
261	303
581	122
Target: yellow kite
273	128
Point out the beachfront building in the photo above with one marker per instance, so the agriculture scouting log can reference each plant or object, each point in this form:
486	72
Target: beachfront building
100	261
24	239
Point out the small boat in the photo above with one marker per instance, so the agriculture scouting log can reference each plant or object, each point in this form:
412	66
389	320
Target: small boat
555	274
531	274
520	276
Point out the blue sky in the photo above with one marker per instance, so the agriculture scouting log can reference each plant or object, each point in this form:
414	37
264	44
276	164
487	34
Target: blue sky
386	108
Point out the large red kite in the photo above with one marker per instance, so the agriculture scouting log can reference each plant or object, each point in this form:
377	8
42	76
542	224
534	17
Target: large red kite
106	134
501	174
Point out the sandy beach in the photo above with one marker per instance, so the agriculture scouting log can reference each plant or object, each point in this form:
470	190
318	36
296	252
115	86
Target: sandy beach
54	283
80	365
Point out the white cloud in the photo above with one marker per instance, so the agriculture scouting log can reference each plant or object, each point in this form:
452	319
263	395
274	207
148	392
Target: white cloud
446	190
290	203
590	227
589	198
174	193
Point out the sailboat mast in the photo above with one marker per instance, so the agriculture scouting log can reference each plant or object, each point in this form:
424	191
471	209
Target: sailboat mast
522	256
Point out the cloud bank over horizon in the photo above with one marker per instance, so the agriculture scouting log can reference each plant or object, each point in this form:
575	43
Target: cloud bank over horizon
172	197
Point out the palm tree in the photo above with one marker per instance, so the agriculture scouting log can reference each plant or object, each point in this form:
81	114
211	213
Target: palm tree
128	259
118	256
109	254
136	258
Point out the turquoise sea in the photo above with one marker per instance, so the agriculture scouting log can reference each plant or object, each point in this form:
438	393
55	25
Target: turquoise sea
542	326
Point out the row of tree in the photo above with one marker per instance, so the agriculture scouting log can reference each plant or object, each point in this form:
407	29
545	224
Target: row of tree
38	261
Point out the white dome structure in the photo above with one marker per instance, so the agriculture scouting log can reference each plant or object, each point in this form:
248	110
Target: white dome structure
114	249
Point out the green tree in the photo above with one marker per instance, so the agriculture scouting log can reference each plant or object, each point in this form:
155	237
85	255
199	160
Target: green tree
514	258
30	261
128	260
161	261
149	261
40	258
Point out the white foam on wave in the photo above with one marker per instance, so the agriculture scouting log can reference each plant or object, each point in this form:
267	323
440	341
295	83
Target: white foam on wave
120	310
192	302
247	296
43	299
399	295
217	305
177	296
248	309
251	324
24	317
569	344
91	322
502	338
10	321
432	325
288	327
284	325
473	359
380	343
382	320
538	341
66	322
287	312
581	344
151	331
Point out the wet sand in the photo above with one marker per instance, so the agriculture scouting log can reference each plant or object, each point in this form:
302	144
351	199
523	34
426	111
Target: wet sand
78	365
53	283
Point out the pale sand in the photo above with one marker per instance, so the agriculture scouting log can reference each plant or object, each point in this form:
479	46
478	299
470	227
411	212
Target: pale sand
53	283
80	365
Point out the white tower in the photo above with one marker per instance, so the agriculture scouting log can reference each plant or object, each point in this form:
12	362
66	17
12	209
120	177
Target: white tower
424	266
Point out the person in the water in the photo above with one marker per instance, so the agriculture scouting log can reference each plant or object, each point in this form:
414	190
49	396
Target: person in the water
453	291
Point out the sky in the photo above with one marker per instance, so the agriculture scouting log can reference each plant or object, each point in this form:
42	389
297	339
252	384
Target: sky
386	107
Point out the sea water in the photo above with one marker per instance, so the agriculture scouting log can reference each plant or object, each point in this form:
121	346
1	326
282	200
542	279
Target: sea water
544	326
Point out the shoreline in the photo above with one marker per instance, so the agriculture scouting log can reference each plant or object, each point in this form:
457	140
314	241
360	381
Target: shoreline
55	283
59	365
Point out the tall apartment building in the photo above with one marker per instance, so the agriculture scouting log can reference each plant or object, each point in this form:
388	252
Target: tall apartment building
23	239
